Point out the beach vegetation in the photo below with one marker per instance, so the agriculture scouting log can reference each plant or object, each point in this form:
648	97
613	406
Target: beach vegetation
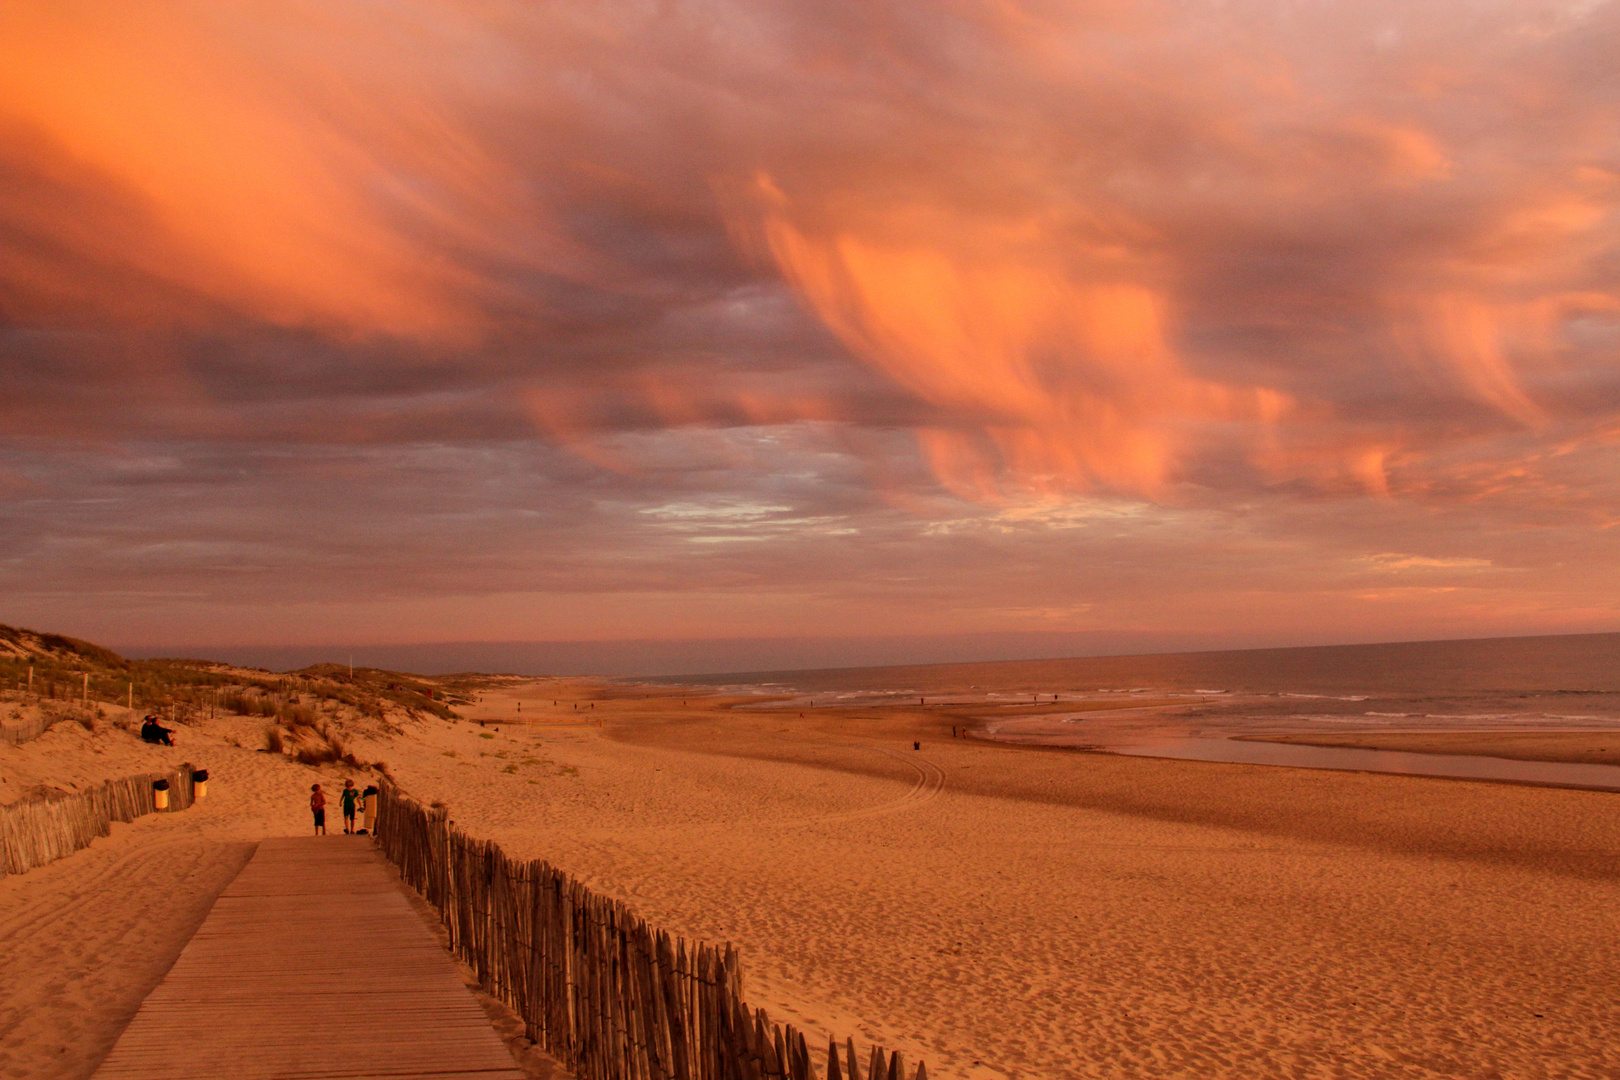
44	669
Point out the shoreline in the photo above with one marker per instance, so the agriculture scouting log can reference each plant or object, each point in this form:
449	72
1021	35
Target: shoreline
1506	745
1454	756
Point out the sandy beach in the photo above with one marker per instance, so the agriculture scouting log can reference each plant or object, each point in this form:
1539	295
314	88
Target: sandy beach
1007	911
993	910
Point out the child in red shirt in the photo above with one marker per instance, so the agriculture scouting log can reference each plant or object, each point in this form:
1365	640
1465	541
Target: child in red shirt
317	803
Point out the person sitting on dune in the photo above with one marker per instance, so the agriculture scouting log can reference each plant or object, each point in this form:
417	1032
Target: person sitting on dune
154	732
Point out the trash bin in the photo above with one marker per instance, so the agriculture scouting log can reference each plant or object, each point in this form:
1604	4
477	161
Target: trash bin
199	784
371	796
160	794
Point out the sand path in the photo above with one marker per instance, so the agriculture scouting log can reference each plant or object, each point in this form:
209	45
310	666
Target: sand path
311	965
85	939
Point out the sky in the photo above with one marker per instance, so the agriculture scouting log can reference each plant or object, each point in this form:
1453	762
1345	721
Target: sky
880	329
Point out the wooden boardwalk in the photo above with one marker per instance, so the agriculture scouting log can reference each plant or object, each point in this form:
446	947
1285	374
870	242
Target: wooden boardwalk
311	966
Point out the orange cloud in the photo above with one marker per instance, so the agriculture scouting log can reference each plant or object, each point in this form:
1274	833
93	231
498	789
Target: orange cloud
1094	247
286	284
287	161
1069	377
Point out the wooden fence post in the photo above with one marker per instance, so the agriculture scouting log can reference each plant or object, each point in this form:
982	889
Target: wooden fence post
39	831
599	989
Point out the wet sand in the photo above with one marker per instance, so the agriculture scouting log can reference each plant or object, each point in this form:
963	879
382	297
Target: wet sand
1585	747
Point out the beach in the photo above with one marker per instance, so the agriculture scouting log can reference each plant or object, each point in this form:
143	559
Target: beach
993	910
1007	911
1058	539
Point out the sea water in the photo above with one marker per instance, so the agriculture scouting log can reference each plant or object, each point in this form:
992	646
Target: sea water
1210	705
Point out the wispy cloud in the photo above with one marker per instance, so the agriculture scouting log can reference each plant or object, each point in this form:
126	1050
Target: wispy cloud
999	307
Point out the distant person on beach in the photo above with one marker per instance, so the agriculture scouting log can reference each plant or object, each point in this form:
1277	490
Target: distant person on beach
154	732
350	796
317	804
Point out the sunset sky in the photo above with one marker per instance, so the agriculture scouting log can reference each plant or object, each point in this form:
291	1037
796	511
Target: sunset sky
972	327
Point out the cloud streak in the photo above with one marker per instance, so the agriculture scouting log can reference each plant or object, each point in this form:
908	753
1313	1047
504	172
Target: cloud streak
913	272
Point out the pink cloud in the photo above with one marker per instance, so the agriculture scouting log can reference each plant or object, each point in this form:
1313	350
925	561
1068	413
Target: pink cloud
841	257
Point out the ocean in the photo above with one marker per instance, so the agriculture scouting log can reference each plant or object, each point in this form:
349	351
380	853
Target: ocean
1252	706
1584	665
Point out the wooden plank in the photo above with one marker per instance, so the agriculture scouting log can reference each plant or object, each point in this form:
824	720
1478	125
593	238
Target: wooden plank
311	966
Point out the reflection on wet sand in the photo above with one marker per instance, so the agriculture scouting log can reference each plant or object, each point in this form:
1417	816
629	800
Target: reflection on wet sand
1520	746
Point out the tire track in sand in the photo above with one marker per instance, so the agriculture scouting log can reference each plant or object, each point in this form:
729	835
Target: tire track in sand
930	782
925	789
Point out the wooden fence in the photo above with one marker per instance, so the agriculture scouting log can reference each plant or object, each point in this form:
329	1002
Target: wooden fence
37	831
597	988
17	732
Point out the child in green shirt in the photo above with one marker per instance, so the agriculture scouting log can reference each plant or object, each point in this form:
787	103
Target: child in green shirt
350	796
